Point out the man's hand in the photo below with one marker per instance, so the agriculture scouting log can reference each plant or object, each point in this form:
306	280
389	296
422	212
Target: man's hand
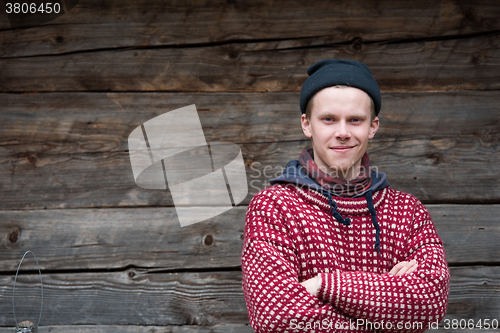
312	285
404	267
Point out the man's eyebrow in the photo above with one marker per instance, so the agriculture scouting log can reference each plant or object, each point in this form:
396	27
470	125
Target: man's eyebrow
359	115
326	113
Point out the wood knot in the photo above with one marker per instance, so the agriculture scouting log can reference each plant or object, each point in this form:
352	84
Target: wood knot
233	54
59	39
474	60
357	43
32	158
208	240
435	159
14	236
469	18
469	15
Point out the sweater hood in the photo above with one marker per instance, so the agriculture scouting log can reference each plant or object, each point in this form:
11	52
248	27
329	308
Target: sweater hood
293	174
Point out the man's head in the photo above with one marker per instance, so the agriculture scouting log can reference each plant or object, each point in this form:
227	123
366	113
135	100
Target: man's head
340	102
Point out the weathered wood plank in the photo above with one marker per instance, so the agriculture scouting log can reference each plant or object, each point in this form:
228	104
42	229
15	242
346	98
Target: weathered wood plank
134	298
418	166
203	299
89	239
94	25
153	238
70	150
470	291
463	228
67	123
456	64
223	328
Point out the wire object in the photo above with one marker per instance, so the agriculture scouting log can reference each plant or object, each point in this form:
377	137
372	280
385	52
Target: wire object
14	292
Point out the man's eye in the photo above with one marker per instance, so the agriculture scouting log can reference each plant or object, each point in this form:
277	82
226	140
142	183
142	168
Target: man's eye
356	120
328	119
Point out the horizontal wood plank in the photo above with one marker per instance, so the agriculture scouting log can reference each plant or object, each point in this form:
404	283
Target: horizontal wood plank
80	239
223	328
229	328
70	150
456	64
116	238
131	298
67	123
435	174
204	299
95	25
463	228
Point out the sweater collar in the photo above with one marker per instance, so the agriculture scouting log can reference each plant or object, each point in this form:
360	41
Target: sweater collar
345	206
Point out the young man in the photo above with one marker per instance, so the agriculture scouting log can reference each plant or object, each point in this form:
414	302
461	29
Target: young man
330	247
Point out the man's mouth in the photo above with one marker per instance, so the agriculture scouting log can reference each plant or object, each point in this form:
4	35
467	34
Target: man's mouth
342	149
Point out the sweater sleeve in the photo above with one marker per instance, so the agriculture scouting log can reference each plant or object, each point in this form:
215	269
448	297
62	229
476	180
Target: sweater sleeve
403	303
275	299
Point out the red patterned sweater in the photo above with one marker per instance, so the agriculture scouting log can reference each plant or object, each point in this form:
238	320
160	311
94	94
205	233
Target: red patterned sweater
291	236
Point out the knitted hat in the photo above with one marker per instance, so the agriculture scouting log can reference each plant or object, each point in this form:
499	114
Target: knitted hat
331	72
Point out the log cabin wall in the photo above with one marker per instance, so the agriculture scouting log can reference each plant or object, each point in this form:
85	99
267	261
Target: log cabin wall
113	255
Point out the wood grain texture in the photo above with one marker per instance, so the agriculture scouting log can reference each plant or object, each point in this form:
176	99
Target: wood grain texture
85	239
72	90
117	238
471	290
69	123
455	64
205	299
67	150
464	174
97	25
134	298
468	232
223	328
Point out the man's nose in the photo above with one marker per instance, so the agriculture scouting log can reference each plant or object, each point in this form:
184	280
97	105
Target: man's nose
342	131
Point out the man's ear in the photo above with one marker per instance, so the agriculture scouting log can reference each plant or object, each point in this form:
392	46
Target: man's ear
306	125
373	128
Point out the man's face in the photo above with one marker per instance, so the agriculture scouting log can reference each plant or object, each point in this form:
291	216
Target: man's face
340	127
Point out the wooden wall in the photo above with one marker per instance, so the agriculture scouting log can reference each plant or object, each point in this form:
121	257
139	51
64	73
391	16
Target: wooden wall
113	255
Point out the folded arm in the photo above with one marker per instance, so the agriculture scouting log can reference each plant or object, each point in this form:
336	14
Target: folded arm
420	295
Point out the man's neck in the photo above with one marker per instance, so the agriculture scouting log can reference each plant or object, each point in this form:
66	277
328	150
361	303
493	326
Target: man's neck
349	174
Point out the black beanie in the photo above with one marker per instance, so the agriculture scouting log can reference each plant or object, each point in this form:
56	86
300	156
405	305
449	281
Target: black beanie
332	72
